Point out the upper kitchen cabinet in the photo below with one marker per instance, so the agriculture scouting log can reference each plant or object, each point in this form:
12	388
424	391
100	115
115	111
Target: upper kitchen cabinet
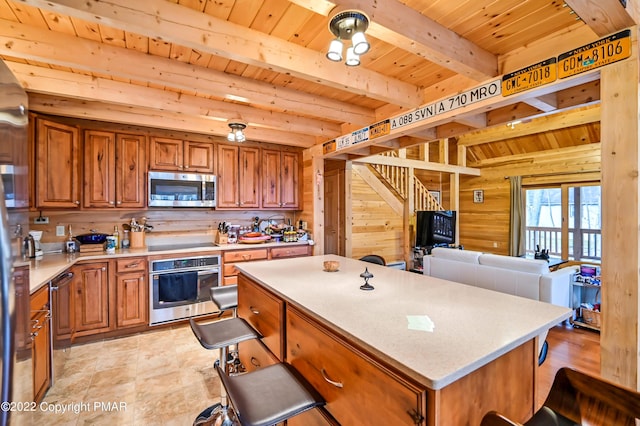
238	177
179	155
57	173
114	170
280	174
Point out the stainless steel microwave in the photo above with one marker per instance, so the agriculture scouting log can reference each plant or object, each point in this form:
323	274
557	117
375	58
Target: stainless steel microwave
167	189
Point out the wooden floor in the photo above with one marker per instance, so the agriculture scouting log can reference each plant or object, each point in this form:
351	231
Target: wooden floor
568	347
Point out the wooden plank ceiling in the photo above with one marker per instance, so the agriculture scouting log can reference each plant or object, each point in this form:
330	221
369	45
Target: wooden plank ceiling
191	65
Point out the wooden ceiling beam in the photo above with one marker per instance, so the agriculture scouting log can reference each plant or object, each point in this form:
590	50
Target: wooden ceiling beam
548	123
34	44
66	84
605	16
546	103
196	30
402	26
156	119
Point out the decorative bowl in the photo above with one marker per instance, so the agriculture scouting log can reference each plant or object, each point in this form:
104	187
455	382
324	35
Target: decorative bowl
331	265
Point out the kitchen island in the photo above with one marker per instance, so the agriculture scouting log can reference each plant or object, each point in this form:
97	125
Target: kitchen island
415	350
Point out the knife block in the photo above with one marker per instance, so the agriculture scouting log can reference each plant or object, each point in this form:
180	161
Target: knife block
221	238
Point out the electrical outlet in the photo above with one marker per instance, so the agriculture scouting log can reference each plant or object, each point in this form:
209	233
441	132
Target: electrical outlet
40	220
60	231
495	244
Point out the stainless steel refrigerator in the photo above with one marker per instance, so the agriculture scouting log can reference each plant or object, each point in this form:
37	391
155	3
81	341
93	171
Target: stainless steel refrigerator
16	373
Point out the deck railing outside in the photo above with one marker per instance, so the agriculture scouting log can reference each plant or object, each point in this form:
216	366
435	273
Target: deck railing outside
587	247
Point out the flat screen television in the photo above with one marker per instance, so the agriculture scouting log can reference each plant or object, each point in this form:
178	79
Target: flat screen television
435	228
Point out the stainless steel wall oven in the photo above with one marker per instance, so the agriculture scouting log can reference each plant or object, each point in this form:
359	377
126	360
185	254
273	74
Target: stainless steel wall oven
181	288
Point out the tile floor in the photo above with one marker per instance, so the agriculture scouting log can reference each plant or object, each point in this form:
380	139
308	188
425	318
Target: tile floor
156	378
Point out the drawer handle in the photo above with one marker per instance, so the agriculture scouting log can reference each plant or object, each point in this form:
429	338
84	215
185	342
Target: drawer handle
246	256
254	310
132	265
255	362
328	380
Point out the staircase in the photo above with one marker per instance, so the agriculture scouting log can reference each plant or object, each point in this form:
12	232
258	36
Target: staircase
398	177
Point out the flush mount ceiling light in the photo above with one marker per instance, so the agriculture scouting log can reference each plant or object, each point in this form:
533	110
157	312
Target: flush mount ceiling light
348	25
236	133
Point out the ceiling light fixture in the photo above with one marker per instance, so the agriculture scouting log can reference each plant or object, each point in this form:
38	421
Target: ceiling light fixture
236	134
348	25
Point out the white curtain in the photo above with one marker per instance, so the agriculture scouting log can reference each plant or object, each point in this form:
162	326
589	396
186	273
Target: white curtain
517	222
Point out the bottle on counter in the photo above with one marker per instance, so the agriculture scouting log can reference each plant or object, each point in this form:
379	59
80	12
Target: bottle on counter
116	235
125	239
71	243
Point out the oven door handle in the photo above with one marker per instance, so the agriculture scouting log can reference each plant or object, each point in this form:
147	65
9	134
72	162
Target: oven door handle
209	271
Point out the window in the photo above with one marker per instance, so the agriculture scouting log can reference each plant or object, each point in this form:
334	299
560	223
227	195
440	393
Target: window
579	238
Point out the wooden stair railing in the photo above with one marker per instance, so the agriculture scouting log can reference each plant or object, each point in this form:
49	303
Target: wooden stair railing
397	178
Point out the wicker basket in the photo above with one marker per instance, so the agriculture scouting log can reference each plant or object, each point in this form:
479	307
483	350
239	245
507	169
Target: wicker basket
591	317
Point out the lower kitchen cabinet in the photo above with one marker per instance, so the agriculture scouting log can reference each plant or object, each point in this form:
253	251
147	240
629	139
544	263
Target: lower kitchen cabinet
91	297
63	313
41	342
132	300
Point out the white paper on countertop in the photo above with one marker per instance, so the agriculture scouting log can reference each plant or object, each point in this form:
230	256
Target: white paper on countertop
420	323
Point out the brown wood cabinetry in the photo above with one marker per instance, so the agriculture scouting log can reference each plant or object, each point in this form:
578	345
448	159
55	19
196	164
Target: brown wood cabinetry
132	299
63	312
180	155
41	342
280	175
254	354
347	378
57	176
238	177
289	251
114	170
265	313
230	273
91	298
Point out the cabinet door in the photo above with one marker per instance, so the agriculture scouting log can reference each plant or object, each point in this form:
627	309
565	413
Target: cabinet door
271	194
91	298
131	300
99	169
290	190
41	342
131	167
63	314
227	191
41	354
198	157
165	154
249	179
57	165
280	176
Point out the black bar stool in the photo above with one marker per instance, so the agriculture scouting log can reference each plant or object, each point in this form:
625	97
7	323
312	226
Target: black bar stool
220	335
225	298
269	395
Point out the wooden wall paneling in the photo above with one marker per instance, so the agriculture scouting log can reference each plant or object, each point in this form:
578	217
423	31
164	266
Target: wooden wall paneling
376	227
485	226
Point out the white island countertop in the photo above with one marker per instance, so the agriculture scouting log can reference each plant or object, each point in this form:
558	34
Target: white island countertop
471	326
